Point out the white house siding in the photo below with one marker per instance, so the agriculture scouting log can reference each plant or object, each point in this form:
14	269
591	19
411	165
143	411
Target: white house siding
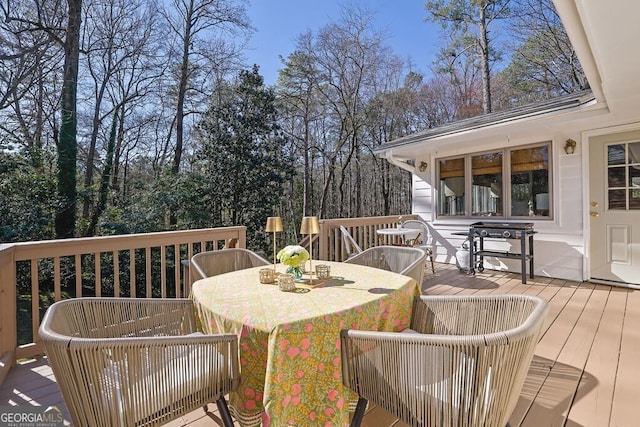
422	198
559	243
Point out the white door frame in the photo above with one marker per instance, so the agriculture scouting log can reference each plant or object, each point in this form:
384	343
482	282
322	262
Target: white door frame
586	176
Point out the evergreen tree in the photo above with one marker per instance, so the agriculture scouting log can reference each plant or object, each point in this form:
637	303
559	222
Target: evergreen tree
243	156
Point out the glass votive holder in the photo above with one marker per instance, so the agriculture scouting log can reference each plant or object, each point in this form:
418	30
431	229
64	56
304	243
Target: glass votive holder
323	271
267	275
286	282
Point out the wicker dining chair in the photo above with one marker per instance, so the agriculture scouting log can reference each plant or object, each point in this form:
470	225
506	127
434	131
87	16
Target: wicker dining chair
462	363
136	362
399	259
212	263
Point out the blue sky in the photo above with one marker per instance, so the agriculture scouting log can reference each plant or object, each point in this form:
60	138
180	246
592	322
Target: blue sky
279	22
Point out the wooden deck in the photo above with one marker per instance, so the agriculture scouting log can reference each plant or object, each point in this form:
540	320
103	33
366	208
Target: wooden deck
583	373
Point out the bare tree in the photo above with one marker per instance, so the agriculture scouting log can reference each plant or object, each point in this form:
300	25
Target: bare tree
347	56
119	44
469	22
193	24
327	88
31	39
544	64
299	98
67	142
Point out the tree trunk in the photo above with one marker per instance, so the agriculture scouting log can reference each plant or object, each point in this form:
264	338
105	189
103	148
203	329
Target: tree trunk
484	58
67	144
88	174
117	154
182	93
105	179
358	184
306	204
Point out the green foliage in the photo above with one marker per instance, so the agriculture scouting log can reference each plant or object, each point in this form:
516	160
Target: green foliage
27	201
242	158
25	329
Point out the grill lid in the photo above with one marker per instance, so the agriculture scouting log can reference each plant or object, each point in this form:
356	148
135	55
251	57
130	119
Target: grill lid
503	225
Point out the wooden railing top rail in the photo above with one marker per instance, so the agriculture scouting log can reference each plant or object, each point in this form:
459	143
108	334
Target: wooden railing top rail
85	245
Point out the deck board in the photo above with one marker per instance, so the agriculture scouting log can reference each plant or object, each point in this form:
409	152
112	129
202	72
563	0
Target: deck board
569	354
624	409
594	405
584	372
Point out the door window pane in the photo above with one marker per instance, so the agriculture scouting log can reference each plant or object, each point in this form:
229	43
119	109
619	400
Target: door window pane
452	187
616	177
623	176
617	199
530	182
615	154
487	184
634	199
634	152
634	176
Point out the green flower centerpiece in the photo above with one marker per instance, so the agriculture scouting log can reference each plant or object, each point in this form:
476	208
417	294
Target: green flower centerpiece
293	256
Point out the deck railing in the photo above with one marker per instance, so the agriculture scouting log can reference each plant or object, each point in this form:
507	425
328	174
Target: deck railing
132	265
125	266
363	230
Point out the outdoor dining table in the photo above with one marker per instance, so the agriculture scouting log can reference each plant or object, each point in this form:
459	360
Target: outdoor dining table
397	235
289	342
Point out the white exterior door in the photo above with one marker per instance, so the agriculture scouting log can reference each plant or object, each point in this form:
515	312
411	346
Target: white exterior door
614	208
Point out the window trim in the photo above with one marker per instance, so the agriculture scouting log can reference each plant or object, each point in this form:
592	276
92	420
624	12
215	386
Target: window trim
506	183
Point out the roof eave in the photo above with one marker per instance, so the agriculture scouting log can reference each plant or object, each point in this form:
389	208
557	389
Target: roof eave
586	102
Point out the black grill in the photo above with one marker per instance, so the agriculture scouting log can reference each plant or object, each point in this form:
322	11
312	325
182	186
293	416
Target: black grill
505	230
522	231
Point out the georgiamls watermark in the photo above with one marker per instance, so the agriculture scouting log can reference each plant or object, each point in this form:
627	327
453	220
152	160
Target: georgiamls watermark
31	416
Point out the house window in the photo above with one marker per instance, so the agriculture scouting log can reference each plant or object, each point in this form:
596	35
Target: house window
507	183
486	172
623	176
452	187
530	181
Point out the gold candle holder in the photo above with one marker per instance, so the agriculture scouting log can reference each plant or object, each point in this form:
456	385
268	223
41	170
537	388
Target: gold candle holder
310	226
274	225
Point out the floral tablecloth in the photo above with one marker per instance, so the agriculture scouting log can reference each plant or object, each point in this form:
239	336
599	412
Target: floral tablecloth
290	341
